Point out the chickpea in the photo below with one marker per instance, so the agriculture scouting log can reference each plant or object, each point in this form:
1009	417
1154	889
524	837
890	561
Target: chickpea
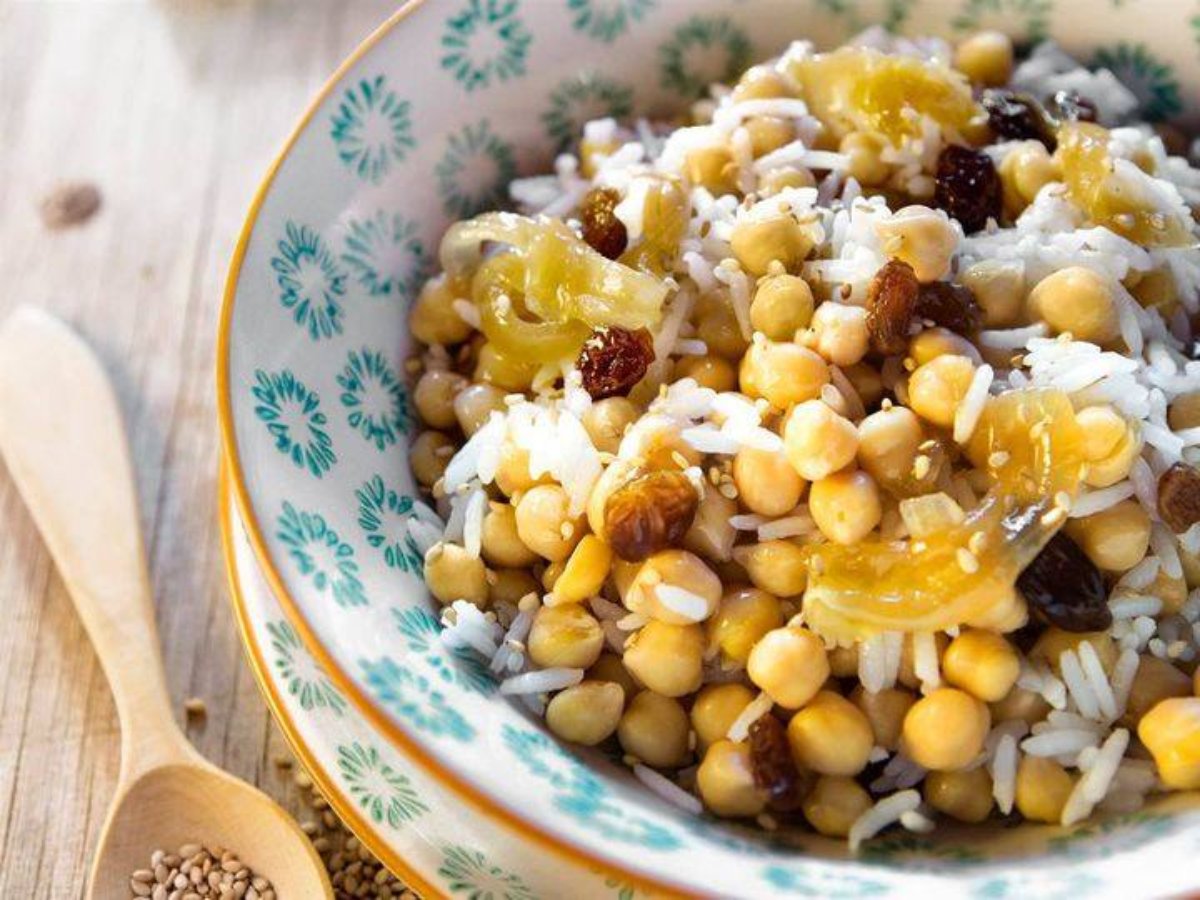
505	373
784	177
605	422
586	713
888	442
1115	539
817	441
1184	412
986	57
1006	613
544	523
867	381
431	453
782	305
778	567
654	729
934	342
623	574
789	664
1171	732
433	319
474	405
610	667
766	482
999	288
501	545
711	536
434	397
922	237
716	708
983	663
945	729
585	570
885	710
510	585
719	329
1053	642
565	635
1043	787
757	243
512	470
841	331
651	592
550	575
712	168
784	374
936	389
834	805
453	574
866	163
1157	290
1156	680
744	616
713	372
1110	445
725	780
1079	301
830	736
668	659
768	133
1021	704
843	661
1024	171
845	505
966	796
761	83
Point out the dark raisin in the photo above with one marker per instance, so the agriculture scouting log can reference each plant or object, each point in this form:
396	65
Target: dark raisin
967	187
1070	106
613	360
774	769
951	306
1017	117
1064	588
1179	497
649	513
891	304
601	228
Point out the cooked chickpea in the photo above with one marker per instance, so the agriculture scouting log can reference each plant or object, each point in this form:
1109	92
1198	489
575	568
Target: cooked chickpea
945	729
712	168
744	616
433	319
888	442
453	574
544	523
1007	612
866	162
512	470
510	585
779	567
817	441
719	329
834	804
431	453
768	133
843	661
1111	443
610	667
667	658
782	373
885	710
867	381
725	780
1053	642
934	342
551	573
1043	787
841	332
566	635
766	482
982	663
716	708
713	372
711	536
757	243
1171	732
986	57
965	795
845	505
789	663
1184	412
655	589
505	373
1028	706
1115	539
1079	301
586	713
761	83
922	237
784	177
585	571
1024	171
999	288
474	405
605	422
1156	680
830	736
936	389
501	544
782	305
434	397
655	729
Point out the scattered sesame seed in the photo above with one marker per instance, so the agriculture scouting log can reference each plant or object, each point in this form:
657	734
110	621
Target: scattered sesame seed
967	561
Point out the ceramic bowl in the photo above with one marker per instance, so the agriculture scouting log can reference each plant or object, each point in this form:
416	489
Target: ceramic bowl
424	124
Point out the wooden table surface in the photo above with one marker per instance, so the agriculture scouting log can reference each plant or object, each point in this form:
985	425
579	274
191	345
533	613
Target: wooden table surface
174	110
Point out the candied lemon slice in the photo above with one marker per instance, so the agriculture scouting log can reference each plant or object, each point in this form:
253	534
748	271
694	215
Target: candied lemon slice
664	220
497	290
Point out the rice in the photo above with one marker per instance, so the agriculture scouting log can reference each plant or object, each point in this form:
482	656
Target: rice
1004	773
884	813
667	789
684	603
541	681
925	661
1091	502
473	522
900	772
966	417
787	527
1122	679
739	729
1098	680
1079	685
1061	742
1091	788
465	625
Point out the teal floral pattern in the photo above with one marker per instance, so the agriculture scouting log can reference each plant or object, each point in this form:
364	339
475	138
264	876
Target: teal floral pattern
384	793
703	50
460	665
313	284
474	172
469	874
299	673
372	129
375	400
383	516
293	416
1069	885
818	881
415	700
580	99
384	255
891	16
606	20
913	853
484	42
1115	834
1027	19
321	555
1151	81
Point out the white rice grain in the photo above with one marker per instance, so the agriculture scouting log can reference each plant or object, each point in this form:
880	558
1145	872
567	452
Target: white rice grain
541	681
884	813
1092	787
1122	678
1078	684
966	417
473	523
668	790
685	603
1058	743
739	729
1004	773
1098	679
925	661
1092	502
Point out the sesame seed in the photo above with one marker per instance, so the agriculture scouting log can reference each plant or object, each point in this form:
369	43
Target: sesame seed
921	466
967	561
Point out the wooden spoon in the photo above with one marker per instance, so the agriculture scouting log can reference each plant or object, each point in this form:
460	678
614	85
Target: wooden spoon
61	434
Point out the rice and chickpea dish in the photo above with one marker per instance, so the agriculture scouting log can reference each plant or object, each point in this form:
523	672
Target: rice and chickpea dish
834	453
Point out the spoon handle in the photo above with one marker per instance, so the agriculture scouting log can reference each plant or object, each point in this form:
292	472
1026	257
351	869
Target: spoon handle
61	434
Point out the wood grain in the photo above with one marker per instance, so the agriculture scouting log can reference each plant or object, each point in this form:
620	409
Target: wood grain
174	110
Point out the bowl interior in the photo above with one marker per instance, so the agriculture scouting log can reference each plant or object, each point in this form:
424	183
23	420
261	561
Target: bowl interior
426	124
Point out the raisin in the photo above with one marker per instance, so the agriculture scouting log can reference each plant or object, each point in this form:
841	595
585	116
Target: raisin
774	769
613	360
967	187
601	228
1071	106
1018	117
950	305
1179	497
1064	588
649	513
891	304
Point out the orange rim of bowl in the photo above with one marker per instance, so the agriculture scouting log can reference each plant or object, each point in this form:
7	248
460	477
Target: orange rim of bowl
344	808
232	471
